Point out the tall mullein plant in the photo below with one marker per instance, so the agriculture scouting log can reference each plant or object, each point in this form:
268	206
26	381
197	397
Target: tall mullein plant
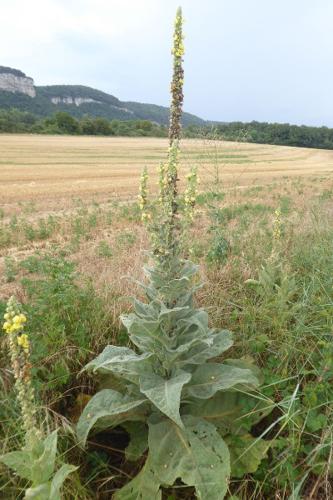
188	415
36	461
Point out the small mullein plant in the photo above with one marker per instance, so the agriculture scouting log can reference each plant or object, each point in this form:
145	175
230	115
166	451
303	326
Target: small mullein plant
36	461
275	282
190	416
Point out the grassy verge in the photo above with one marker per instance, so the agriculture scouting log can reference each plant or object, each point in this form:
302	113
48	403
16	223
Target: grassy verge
280	311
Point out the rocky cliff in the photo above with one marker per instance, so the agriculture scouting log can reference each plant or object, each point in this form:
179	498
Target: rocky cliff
12	80
18	91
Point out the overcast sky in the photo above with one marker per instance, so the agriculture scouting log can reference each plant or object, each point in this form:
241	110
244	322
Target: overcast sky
266	60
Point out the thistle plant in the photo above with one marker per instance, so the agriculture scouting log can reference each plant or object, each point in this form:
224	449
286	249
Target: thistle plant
190	416
36	461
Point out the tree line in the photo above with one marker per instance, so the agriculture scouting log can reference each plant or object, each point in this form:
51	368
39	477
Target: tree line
15	121
282	134
62	123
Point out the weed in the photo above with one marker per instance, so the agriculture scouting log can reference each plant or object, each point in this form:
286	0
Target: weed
104	249
219	249
126	239
10	269
62	318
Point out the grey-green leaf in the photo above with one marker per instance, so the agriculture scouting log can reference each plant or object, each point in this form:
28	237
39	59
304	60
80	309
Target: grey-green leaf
19	461
165	393
246	453
210	347
108	408
121	361
209	378
37	464
145	486
40	492
138	444
46	462
145	334
230	411
58	480
197	455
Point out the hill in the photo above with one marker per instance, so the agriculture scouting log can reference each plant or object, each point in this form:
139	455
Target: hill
18	91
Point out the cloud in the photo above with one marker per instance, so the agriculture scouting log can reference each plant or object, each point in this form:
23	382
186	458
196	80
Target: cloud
244	60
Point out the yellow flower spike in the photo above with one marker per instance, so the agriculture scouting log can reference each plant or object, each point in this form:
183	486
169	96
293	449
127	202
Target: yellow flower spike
18	344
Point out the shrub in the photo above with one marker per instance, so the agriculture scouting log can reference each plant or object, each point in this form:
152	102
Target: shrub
63	315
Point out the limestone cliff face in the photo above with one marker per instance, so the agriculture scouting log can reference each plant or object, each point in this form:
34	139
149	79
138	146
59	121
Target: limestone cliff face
12	82
73	100
17	90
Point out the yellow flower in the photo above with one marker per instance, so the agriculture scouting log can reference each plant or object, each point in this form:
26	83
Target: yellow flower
23	341
6	326
14	319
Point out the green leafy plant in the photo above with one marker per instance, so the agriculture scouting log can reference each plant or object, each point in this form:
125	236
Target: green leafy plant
62	314
191	415
219	248
36	462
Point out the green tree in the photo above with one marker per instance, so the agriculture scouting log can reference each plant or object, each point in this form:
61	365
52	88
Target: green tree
66	123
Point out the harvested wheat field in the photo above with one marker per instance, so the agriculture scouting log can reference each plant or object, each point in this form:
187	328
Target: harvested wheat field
52	169
81	191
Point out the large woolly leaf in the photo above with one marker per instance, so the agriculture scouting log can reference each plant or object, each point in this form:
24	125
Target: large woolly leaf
36	464
165	393
145	310
108	408
173	315
246	453
121	361
46	461
230	411
209	378
197	455
145	334
248	364
40	492
58	479
145	486
196	321
210	347
187	270
138	444
173	288
51	489
20	462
